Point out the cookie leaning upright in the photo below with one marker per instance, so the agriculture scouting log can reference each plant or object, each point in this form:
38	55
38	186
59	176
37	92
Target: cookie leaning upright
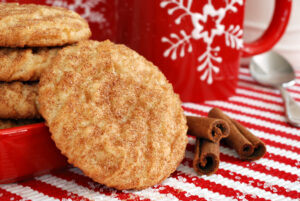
40	26
113	114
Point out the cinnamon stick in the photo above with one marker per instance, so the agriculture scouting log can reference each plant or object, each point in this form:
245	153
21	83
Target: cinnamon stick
258	146
207	157
207	128
247	145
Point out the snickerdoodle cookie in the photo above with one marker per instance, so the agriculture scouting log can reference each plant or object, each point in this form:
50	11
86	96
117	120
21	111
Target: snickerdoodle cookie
39	26
18	101
113	114
25	64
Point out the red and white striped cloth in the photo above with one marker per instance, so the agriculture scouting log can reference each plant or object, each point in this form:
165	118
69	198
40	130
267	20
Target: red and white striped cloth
274	177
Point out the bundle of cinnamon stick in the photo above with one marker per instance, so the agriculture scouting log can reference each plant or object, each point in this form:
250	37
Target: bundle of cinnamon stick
209	131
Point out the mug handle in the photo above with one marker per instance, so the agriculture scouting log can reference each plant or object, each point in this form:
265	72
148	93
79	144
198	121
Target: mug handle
273	33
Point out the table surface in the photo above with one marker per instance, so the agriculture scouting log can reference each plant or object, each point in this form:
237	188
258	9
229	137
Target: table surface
274	177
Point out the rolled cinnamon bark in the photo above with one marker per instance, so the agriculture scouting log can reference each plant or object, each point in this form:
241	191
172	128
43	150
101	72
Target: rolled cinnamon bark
208	128
247	145
259	147
207	157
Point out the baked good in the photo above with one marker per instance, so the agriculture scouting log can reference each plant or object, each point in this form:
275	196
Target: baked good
27	64
113	114
40	26
18	101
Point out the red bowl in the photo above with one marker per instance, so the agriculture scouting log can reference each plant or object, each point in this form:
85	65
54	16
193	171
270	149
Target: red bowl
28	151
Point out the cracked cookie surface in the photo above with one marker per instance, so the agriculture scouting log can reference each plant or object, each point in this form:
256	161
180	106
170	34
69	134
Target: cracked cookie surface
113	114
40	26
27	64
18	101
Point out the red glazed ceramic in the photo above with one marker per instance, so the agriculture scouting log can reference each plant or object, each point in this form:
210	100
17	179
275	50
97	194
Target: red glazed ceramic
27	151
197	44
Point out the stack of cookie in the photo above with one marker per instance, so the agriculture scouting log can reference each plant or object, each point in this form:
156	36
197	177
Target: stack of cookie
30	37
111	112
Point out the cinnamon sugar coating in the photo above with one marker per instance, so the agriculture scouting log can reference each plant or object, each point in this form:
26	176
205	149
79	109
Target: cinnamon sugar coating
25	64
18	101
113	114
40	26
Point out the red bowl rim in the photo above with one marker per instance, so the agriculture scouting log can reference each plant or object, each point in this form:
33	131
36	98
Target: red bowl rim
21	129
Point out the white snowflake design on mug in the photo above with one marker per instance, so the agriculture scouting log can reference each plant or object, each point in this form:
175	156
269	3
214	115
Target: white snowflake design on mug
181	43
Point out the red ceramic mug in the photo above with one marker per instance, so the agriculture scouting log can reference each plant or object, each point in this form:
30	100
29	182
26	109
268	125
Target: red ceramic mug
197	44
